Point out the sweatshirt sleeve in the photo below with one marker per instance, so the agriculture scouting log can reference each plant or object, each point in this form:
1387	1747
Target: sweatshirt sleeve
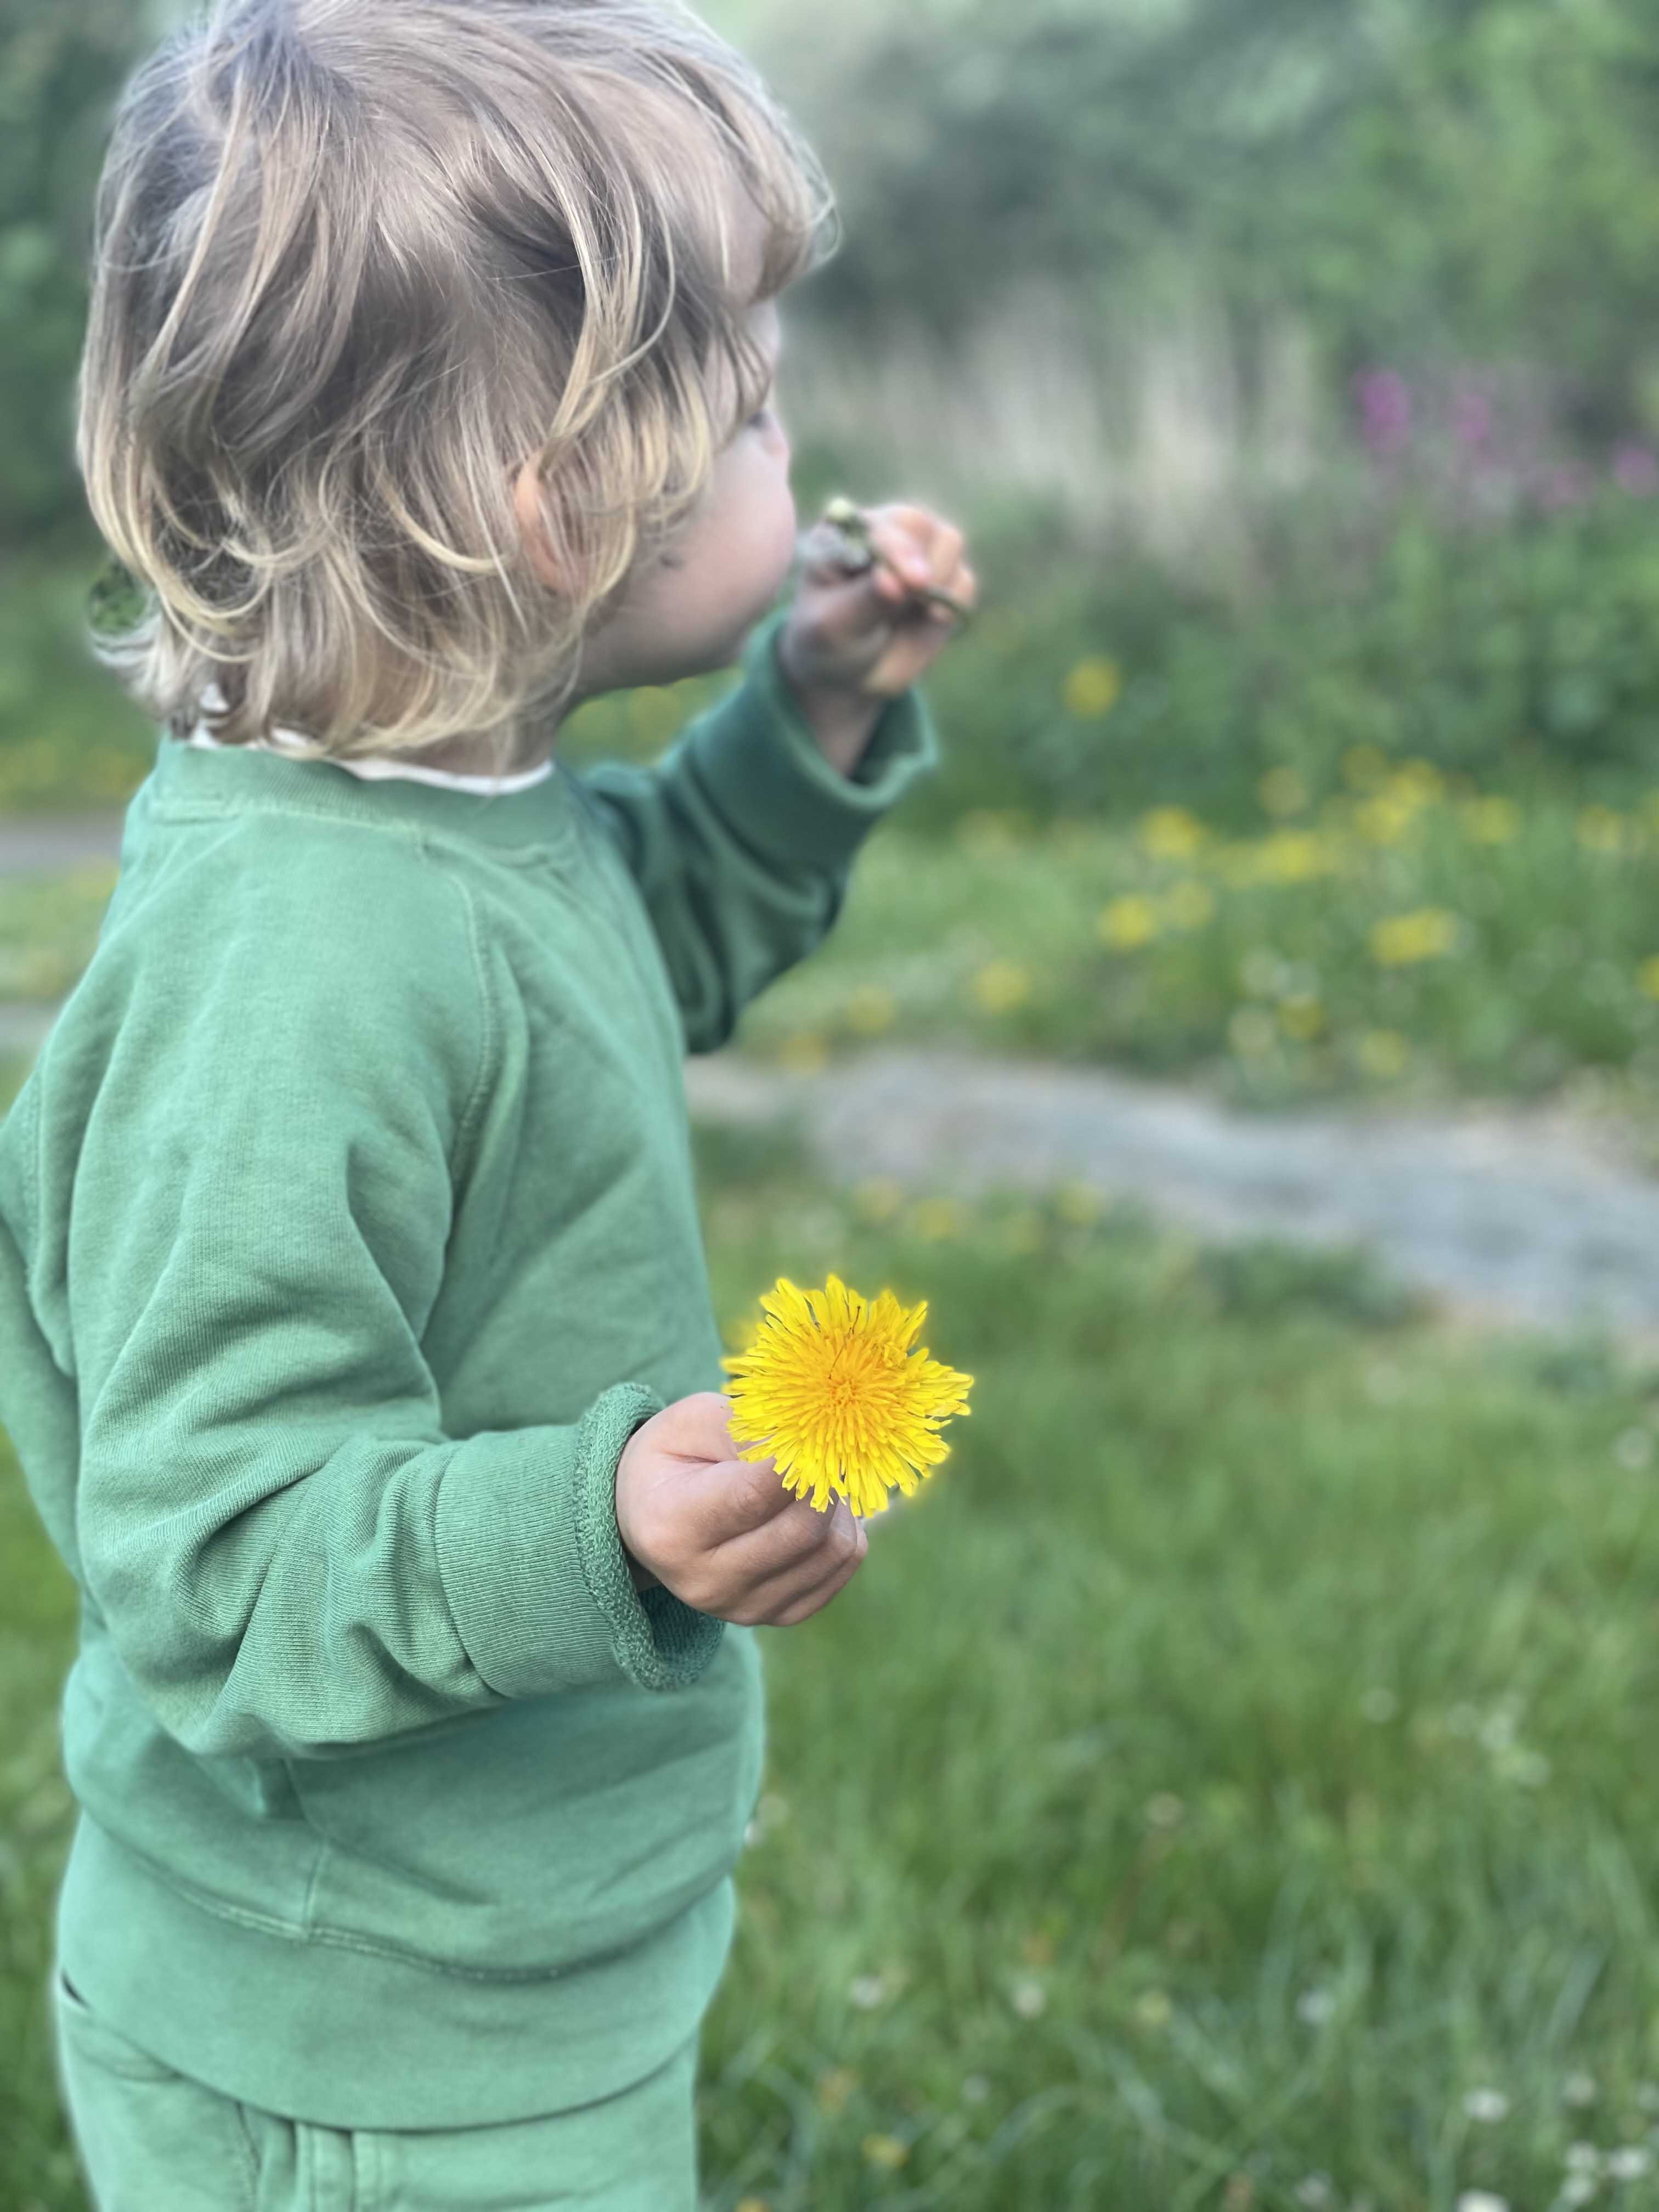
288	1552
741	837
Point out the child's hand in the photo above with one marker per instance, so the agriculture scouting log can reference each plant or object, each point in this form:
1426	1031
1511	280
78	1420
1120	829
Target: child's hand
722	1532
869	632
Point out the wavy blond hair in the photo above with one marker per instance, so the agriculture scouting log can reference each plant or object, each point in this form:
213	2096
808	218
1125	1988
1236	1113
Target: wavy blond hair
355	262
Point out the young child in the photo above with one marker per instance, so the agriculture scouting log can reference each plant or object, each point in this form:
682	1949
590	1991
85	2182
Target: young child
356	1333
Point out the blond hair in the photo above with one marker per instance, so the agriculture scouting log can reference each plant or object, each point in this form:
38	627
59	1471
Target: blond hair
354	263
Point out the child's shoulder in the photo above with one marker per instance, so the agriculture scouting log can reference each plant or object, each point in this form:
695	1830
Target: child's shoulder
291	924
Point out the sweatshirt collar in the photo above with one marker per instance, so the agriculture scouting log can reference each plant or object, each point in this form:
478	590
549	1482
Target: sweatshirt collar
193	781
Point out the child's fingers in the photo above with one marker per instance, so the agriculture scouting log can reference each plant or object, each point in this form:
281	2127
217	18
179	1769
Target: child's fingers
800	1541
790	1590
923	548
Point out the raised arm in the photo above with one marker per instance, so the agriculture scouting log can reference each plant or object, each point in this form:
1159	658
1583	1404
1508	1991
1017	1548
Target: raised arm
741	837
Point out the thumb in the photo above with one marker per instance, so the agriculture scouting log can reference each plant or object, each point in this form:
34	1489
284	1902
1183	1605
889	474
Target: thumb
701	1427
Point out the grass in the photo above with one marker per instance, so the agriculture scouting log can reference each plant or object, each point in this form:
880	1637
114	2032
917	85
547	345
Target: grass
1230	1765
1414	939
1411	939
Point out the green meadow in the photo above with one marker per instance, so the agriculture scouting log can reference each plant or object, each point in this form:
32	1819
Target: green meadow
1224	1785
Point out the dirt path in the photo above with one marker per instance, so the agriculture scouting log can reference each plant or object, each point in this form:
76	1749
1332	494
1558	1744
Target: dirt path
30	844
1534	1215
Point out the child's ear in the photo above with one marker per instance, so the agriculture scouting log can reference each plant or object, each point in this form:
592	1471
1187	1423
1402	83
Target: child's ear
527	506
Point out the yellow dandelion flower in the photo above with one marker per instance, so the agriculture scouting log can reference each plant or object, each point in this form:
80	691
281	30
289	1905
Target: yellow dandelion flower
869	1010
1491	821
1282	791
1296	856
833	1392
1082	1204
804	1053
1601	830
933	1219
1127	923
1171	833
991	829
1404	939
1385	819
1647	976
1384	1054
836	2088
94	878
1002	985
1093	688
1364	767
878	1199
1419	782
1188	904
1023	1230
886	2152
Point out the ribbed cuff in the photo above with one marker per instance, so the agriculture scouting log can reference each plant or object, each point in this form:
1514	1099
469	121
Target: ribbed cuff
532	1563
757	756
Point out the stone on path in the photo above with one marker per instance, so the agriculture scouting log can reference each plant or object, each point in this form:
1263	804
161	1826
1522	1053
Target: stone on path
31	844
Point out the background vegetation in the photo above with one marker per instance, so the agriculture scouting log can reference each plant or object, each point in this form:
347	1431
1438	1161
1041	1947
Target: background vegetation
1226	1788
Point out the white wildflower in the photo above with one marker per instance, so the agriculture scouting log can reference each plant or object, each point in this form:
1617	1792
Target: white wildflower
1490	2105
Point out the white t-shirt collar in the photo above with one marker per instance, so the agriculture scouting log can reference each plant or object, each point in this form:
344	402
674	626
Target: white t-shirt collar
289	742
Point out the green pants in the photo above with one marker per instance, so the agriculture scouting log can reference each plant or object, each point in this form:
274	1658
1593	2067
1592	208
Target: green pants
151	2140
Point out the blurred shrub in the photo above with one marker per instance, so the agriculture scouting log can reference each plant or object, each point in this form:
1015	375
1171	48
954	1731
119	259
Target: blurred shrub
1504	652
60	71
1421	179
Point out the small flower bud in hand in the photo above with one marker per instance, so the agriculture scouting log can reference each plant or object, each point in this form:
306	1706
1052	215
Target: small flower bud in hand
870	630
723	1533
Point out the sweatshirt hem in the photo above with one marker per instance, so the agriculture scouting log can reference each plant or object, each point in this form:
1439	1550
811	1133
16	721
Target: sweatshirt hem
347	2036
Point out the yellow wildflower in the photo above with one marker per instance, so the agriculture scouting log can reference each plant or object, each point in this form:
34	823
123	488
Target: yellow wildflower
1295	856
991	829
1601	829
1001	985
1188	904
1364	767
878	1199
833	1392
804	1053
1384	1054
1491	821
1302	1019
1128	922
1418	781
835	2086
1282	791
933	1219
870	1009
95	879
1404	938
1385	819
1647	976
1171	833
1082	1204
1093	688
886	2152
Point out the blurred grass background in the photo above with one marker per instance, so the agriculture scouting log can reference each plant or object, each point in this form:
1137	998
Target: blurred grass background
1227	1787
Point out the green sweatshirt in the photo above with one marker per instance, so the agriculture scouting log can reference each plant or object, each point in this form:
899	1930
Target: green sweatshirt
348	1229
